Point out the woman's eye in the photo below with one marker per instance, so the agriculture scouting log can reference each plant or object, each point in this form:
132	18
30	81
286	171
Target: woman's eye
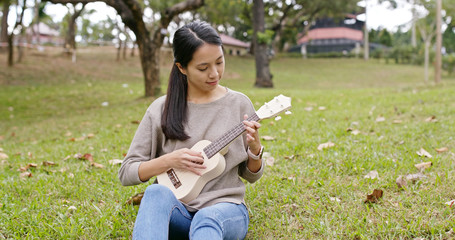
202	69
219	63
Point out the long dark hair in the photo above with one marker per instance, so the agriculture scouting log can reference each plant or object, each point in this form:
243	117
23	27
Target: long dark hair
187	40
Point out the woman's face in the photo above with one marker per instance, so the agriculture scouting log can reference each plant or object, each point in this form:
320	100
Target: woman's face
205	69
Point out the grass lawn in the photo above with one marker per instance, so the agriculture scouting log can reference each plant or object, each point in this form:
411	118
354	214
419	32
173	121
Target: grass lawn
377	115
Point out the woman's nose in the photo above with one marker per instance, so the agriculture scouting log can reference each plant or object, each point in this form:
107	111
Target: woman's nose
213	72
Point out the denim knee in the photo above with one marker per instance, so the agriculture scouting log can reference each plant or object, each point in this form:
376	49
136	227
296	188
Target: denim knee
157	191
206	218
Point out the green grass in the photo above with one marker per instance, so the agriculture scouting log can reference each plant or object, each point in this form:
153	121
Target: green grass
46	101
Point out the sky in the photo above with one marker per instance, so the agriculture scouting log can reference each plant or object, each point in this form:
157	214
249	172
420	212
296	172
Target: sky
378	15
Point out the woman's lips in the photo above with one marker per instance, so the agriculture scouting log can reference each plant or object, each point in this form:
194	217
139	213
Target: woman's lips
213	83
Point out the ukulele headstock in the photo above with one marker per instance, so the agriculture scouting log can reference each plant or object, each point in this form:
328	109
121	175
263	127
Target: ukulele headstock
274	107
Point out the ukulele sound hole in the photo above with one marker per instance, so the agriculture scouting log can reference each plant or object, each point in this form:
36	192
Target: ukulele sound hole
174	179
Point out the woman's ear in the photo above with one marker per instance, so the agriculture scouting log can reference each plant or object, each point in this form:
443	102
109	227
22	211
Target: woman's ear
181	69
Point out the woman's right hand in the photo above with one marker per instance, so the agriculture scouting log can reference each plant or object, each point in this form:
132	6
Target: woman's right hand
185	159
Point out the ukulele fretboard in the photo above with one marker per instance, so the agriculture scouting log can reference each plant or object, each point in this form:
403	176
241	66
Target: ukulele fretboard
227	138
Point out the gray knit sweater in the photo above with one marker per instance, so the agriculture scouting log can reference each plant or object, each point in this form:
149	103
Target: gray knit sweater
206	121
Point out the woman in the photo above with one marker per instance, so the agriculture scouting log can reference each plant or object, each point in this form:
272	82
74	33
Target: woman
195	108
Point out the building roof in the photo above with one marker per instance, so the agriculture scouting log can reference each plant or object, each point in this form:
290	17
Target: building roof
332	33
230	41
44	29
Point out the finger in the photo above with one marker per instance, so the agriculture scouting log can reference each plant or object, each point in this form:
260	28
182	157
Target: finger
194	153
196	160
245	117
248	124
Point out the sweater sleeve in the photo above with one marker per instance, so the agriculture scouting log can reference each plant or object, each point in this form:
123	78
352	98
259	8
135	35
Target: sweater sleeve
142	149
244	172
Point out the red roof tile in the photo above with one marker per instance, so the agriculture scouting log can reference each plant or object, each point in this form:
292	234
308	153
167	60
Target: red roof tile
227	40
331	33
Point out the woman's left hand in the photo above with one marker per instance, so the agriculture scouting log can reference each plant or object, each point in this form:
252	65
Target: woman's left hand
252	134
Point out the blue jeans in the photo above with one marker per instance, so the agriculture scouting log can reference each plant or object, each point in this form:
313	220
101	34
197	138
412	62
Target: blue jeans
162	216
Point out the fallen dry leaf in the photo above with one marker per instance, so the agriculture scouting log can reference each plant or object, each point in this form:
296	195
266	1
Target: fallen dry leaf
451	203
372	175
76	139
268	138
325	145
136	199
423	153
3	156
269	160
374	197
290	157
97	165
88	157
322	108
441	150
355	132
349	129
48	163
334	199
78	156
415	177
72	208
380	119
397	121
136	122
68	134
431	119
2	138
90	135
25	175
401	182
115	161
424	165
33	165
308	109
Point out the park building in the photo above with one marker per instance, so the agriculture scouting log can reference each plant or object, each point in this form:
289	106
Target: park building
233	46
333	35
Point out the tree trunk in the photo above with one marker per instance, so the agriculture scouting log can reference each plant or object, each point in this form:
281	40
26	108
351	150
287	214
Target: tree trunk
10	49
366	45
427	58
4	24
438	55
37	20
119	49
263	75
149	54
125	47
70	40
132	49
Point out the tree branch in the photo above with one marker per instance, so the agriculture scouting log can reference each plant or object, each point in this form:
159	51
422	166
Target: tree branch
169	13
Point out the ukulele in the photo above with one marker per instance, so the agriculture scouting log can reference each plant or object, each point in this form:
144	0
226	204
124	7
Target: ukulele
187	185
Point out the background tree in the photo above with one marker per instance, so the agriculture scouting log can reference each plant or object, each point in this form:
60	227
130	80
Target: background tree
74	11
20	9
4	24
149	41
449	37
260	42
